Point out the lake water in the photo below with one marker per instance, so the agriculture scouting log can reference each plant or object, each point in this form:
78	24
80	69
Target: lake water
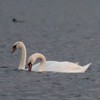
63	30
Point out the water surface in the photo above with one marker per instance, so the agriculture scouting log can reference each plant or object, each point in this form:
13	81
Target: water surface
63	30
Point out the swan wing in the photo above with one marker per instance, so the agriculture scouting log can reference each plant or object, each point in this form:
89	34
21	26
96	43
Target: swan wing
67	67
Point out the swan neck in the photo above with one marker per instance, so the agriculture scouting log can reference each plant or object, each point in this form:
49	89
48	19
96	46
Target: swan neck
23	57
42	63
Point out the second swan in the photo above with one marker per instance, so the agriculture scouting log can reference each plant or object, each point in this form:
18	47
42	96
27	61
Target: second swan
64	67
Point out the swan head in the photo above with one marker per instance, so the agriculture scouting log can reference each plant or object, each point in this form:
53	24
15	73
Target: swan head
17	45
31	61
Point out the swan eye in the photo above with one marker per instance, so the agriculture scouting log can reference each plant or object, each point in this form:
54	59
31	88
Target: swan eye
14	47
29	64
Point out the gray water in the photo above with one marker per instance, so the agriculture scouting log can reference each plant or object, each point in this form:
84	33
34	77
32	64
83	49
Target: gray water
63	30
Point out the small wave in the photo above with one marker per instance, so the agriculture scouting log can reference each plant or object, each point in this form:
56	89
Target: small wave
4	67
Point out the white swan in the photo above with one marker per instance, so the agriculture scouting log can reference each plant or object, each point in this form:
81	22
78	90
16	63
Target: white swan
64	67
22	64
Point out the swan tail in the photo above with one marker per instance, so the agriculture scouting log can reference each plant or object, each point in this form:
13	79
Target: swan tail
86	66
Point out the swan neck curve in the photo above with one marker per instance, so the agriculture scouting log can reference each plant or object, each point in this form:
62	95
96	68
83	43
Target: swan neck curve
42	63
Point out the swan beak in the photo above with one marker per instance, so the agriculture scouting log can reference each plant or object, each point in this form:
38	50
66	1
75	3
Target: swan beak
29	66
14	49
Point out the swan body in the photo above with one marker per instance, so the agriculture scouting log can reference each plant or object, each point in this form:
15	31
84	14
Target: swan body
64	67
21	45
